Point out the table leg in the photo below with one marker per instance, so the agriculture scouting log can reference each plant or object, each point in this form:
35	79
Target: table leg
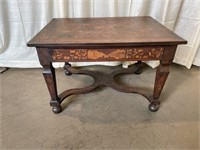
67	72
161	77
139	66
50	78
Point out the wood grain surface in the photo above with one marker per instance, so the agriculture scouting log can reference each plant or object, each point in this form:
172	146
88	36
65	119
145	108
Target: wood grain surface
104	32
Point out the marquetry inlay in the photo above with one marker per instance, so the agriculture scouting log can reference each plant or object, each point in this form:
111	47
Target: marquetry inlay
147	53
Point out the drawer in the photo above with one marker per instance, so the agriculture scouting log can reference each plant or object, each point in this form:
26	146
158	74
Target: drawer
110	54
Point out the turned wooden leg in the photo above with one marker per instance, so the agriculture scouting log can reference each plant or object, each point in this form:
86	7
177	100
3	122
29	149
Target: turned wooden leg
50	78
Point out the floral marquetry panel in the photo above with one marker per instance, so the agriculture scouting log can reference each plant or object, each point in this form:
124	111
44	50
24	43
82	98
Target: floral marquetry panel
118	54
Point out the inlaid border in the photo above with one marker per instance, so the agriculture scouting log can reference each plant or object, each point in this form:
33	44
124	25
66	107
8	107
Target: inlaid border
117	54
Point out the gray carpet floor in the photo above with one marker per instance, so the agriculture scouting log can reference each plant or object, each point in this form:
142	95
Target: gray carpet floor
103	119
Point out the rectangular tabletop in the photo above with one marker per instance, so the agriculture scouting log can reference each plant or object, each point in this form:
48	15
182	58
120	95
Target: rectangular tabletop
116	31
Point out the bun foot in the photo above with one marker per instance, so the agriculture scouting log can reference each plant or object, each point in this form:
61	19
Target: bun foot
67	73
139	66
138	71
57	109
153	107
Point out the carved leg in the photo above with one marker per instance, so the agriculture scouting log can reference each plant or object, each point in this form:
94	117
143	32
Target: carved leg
67	72
50	78
161	76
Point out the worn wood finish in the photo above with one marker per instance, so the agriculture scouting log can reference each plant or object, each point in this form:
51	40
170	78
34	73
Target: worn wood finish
104	32
105	39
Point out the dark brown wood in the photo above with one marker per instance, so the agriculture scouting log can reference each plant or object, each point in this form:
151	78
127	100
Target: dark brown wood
105	39
161	77
50	78
163	70
140	67
104	32
103	79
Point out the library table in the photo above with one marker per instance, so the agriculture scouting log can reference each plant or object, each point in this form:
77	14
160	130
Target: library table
105	39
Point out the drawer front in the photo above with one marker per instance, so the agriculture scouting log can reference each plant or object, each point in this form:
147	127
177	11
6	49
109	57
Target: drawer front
112	54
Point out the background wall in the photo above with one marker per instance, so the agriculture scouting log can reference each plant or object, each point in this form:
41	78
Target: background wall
20	20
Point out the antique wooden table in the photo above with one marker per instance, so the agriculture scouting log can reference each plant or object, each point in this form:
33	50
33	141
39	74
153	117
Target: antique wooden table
105	39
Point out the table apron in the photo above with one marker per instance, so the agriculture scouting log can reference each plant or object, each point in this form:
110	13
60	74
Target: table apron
110	54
